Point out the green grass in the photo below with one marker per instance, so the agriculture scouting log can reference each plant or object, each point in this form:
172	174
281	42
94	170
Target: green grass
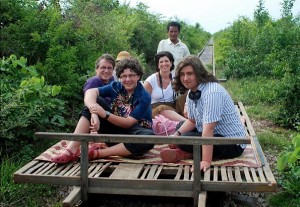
12	194
284	199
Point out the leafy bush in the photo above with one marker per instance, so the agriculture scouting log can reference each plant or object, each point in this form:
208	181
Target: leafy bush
27	102
289	166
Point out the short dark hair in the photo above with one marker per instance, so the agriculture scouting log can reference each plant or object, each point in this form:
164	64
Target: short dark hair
129	63
163	54
173	24
108	58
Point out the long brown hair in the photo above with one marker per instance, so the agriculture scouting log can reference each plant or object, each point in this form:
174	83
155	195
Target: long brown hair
202	75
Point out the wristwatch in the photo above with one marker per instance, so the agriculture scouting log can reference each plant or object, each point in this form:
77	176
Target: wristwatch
178	133
107	113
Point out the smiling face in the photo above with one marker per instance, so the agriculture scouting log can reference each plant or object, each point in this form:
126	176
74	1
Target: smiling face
129	80
188	78
164	64
105	70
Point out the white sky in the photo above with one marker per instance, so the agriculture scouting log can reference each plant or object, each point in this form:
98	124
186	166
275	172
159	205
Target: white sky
212	15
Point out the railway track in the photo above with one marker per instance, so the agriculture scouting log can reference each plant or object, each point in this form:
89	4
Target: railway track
207	57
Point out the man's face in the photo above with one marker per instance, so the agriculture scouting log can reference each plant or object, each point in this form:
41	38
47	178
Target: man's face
129	80
105	70
188	78
173	33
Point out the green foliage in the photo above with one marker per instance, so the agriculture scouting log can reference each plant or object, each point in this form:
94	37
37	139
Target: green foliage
287	6
194	36
291	156
284	199
261	15
267	48
25	94
289	166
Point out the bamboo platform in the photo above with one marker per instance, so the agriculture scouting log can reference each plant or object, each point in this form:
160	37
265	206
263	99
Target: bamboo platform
149	179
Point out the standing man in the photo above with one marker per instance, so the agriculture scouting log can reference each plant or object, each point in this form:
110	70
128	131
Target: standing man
174	45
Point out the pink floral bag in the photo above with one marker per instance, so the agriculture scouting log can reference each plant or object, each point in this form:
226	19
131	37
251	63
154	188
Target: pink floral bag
163	126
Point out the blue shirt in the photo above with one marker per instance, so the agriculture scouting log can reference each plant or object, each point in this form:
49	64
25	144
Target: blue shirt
137	106
216	105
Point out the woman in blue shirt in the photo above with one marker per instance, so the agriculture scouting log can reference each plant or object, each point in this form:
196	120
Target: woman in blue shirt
130	113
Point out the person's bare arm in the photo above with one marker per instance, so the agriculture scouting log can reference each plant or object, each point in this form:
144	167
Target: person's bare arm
124	122
90	97
148	87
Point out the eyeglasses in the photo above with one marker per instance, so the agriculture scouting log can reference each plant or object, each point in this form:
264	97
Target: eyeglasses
106	68
130	76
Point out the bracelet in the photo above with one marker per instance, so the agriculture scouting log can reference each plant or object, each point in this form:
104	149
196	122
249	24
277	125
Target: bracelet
178	132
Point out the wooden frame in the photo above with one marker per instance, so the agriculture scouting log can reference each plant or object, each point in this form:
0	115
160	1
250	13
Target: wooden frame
149	179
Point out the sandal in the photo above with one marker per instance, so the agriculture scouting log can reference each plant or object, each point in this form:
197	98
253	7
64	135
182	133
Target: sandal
94	151
174	155
63	158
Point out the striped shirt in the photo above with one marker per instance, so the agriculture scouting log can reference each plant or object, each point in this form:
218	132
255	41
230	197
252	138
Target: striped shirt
216	105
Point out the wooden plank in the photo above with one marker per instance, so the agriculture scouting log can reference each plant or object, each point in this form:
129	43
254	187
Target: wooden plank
237	174
192	176
146	170
58	170
248	123
207	175
73	198
96	170
146	139
186	172
65	170
224	173
151	174
270	177
230	175
41	168
103	169
247	175
75	168
202	199
127	171
215	176
158	172
29	165
179	172
261	175
34	168
253	173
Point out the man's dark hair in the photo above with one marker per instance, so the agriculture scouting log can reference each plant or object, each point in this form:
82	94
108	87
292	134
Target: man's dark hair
129	63
106	57
173	24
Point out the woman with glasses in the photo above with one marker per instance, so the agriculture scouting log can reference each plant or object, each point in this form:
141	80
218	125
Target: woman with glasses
129	113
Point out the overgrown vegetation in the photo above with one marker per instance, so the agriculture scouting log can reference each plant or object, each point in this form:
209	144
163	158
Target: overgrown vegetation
266	52
48	50
268	49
